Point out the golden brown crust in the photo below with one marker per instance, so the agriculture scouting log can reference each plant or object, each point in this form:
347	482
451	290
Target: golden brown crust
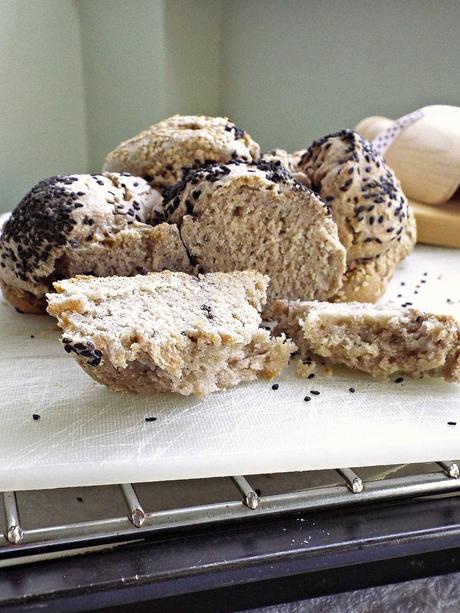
23	301
366	281
163	151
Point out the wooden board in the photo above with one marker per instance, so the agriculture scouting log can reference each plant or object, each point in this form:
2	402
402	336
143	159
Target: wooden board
438	224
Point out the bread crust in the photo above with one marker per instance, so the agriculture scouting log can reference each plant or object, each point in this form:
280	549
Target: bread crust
163	151
66	225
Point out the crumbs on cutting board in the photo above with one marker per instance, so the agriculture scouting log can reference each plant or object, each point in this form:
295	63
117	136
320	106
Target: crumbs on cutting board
420	285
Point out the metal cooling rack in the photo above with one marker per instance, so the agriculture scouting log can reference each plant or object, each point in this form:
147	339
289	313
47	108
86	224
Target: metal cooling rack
20	541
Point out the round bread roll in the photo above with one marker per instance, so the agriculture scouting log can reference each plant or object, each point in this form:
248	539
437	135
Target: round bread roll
240	216
163	151
84	224
371	211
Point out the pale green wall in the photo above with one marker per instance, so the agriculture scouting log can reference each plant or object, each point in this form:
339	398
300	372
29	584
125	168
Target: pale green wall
294	70
145	60
79	76
123	59
42	122
193	43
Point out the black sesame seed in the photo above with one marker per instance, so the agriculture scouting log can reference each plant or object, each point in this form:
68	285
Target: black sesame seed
35	416
307	398
399	380
311	375
451	423
275	386
352	390
150	419
314	392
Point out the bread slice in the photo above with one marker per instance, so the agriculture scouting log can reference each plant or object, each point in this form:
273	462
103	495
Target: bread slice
379	339
169	332
238	216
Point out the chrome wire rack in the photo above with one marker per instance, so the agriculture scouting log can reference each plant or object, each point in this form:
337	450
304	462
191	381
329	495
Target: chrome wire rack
19	541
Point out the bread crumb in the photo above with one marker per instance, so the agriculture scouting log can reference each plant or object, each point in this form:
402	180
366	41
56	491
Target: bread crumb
303	369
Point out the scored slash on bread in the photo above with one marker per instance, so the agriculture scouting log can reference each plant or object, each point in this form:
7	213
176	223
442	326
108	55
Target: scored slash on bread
169	332
378	339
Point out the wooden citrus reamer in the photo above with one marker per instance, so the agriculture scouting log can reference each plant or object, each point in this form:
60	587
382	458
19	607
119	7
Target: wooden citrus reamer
423	149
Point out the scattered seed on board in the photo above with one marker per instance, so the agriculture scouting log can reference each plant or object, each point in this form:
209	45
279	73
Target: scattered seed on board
275	386
311	375
352	390
150	419
307	398
314	392
35	416
399	380
451	423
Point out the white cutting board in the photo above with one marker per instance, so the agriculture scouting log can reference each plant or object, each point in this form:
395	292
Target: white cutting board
88	435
